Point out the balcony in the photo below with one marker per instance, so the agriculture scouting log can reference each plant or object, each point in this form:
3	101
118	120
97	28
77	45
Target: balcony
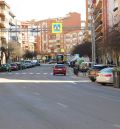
99	38
52	41
98	15
2	12
3	23
99	35
98	26
98	4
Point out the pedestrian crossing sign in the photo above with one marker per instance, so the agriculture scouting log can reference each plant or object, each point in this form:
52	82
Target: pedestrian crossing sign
57	27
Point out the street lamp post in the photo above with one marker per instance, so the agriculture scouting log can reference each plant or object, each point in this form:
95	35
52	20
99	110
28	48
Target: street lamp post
93	38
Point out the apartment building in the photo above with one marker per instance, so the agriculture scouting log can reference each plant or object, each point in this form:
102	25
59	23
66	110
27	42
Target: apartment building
100	20
28	36
6	21
50	44
106	20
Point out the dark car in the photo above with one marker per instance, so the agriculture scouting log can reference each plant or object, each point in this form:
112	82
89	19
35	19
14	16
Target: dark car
5	67
93	71
59	69
20	65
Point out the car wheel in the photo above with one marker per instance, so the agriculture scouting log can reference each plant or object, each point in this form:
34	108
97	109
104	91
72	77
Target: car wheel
103	84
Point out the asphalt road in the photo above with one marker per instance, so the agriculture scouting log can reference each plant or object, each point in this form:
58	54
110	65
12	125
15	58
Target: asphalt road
35	99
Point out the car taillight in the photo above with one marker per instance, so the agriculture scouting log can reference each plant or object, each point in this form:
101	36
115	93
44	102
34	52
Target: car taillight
108	75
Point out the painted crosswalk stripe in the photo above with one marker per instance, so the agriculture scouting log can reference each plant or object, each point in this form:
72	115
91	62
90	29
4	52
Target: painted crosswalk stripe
23	73
10	73
45	73
31	73
38	73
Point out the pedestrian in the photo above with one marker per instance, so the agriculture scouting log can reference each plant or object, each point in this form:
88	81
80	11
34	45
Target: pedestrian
75	70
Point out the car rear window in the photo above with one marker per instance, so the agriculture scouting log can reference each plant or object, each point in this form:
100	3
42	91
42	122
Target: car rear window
107	70
13	64
99	67
59	66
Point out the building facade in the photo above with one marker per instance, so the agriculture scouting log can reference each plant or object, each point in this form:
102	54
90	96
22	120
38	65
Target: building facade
50	44
7	20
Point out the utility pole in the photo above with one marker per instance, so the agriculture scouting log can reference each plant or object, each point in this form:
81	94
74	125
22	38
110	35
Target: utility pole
93	38
93	42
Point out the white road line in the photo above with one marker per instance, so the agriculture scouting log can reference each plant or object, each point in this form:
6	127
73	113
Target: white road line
116	125
45	73
2	80
17	73
31	73
2	73
23	73
62	105
10	73
36	93
38	73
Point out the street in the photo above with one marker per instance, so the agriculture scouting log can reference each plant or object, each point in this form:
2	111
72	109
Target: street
35	99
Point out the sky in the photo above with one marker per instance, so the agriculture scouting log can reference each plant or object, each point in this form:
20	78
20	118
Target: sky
44	9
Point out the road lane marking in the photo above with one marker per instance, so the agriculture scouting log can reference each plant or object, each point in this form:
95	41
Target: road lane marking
2	80
45	73
31	73
38	73
36	93
23	73
10	73
62	105
2	73
116	125
17	73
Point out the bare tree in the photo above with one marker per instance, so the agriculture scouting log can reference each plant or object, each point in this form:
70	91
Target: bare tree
84	49
14	50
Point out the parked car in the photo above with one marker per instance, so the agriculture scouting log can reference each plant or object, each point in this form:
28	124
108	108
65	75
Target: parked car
5	67
93	71
36	62
59	69
14	67
52	61
20	66
105	76
29	63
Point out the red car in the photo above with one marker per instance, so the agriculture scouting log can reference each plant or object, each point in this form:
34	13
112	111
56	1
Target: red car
14	67
59	69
